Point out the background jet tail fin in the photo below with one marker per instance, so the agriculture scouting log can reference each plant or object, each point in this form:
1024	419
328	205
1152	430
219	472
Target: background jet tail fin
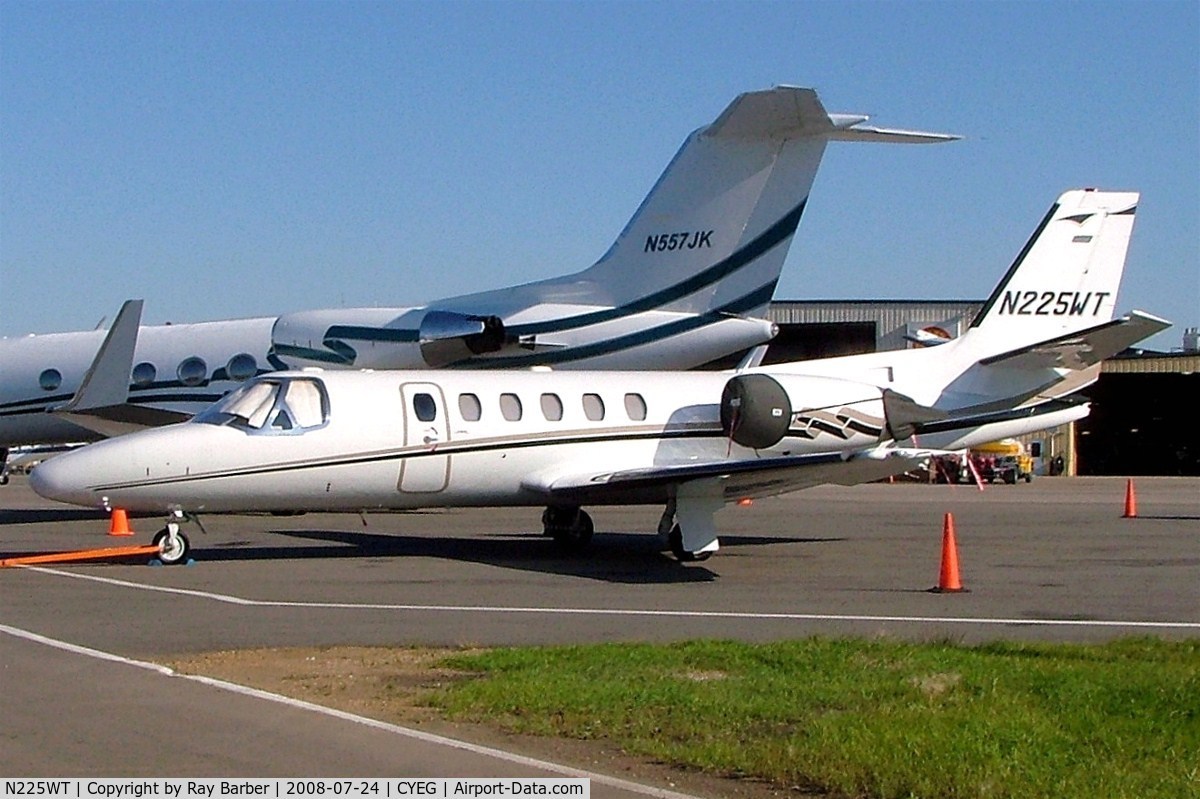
1065	279
713	233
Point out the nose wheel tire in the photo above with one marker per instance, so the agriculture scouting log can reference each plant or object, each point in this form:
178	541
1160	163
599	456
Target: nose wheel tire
172	549
675	539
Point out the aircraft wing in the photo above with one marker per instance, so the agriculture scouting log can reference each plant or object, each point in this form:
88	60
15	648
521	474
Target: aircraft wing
1084	348
738	479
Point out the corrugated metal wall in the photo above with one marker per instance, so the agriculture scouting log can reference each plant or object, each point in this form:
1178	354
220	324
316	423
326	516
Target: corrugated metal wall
894	318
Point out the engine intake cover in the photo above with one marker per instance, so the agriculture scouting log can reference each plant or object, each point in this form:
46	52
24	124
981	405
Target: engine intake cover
755	411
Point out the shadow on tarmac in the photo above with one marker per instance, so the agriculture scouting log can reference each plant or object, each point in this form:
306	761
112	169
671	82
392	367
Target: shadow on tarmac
39	515
612	557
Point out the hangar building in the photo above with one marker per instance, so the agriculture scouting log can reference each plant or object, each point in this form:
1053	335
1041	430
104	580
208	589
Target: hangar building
1143	419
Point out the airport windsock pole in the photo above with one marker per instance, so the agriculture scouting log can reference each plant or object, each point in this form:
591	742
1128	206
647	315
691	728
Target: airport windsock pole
119	525
1130	501
948	581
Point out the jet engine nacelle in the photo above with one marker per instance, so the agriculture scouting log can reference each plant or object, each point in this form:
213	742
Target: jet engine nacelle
447	337
757	410
383	338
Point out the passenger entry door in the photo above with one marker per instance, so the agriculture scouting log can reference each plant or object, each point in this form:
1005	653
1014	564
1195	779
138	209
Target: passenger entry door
427	427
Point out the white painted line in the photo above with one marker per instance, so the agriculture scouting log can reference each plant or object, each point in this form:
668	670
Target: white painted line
683	614
440	740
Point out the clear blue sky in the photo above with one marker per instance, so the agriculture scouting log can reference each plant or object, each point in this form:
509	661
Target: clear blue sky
225	159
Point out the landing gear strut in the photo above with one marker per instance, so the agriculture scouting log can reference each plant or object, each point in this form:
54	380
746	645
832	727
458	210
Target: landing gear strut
570	527
173	546
671	536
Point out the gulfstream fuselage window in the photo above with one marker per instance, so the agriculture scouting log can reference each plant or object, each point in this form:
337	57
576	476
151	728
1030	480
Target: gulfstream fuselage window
272	406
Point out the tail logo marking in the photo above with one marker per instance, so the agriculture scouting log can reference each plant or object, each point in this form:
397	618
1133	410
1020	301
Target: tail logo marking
688	240
1049	303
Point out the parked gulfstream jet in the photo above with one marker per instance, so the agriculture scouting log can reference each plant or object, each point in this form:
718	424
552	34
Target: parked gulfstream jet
689	441
685	283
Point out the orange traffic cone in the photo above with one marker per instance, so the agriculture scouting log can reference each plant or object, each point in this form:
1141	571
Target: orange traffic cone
119	524
1130	501
948	581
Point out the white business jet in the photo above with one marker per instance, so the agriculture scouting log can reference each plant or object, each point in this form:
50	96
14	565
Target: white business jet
685	283
316	440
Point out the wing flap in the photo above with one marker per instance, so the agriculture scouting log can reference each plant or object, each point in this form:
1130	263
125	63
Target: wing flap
763	477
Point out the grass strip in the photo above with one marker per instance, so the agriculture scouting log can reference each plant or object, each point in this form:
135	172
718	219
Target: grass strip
867	718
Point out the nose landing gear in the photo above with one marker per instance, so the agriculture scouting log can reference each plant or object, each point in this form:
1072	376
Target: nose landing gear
173	546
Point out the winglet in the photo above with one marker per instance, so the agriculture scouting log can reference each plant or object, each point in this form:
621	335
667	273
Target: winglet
107	380
101	403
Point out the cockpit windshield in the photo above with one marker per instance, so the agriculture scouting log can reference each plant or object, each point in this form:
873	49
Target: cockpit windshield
272	405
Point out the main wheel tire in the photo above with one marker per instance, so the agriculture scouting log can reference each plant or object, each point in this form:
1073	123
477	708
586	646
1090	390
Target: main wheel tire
675	539
170	552
576	535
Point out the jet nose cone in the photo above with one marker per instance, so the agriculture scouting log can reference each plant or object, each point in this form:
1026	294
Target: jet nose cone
60	480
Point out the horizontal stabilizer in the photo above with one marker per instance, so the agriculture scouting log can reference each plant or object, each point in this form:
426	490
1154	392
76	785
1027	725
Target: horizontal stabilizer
1085	348
789	111
890	135
973	419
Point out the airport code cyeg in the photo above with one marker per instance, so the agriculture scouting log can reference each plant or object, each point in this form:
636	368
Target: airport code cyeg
83	788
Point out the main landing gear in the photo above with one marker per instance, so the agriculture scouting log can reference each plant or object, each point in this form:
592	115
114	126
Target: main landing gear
572	529
671	534
569	526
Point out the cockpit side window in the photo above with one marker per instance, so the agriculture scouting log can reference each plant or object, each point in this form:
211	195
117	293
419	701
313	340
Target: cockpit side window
272	406
304	398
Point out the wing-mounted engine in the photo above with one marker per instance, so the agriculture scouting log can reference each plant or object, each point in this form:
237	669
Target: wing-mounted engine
446	337
760	410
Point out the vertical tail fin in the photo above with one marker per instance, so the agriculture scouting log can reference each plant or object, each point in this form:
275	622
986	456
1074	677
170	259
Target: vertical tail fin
1065	279
713	233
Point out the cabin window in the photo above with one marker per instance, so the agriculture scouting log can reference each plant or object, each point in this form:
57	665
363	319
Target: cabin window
635	407
470	407
593	407
144	374
424	407
510	407
192	371
50	379
552	407
241	367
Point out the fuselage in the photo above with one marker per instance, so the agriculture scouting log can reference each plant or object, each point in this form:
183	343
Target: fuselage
183	368
315	440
